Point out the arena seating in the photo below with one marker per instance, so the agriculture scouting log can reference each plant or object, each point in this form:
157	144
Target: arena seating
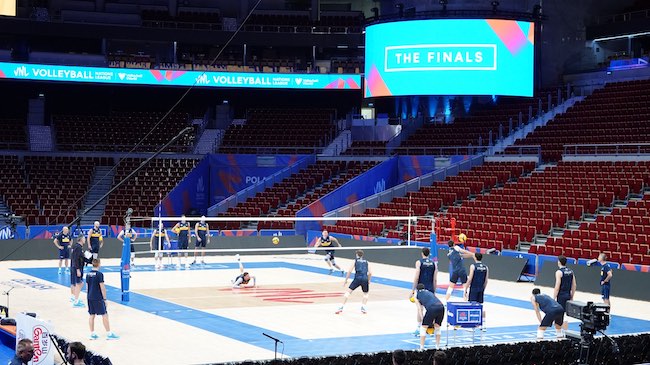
120	131
430	199
47	190
271	128
187	18
14	134
623	234
346	66
366	148
322	178
469	129
144	191
300	22
617	113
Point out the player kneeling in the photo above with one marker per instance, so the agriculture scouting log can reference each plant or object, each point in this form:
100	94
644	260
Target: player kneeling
244	278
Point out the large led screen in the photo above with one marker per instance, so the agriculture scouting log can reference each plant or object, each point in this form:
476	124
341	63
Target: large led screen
450	57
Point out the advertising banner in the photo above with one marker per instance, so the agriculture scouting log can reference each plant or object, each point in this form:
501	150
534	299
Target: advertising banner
231	173
38	331
450	57
377	179
131	76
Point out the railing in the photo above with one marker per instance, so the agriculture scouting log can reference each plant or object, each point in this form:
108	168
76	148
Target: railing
415	184
623	17
78	147
466	14
175	24
638	149
242	195
294	150
318	29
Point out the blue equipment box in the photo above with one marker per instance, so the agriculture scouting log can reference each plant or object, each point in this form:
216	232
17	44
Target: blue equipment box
465	314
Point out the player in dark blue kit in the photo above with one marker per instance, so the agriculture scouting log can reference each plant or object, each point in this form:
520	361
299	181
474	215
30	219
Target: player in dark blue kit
325	240
605	278
457	272
202	234
183	230
565	285
95	239
97	301
425	274
553	312
477	281
62	241
434	312
362	275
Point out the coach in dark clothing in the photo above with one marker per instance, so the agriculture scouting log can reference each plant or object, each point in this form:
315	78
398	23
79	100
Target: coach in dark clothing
77	264
24	352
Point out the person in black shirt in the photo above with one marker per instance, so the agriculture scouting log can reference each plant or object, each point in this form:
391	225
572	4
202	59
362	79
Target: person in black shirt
478	279
77	263
97	301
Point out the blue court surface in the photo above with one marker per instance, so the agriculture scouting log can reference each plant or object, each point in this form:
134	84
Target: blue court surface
511	326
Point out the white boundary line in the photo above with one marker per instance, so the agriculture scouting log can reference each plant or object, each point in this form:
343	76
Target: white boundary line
282	249
284	219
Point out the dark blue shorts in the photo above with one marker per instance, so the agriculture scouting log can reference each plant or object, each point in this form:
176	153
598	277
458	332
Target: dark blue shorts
434	314
183	245
458	275
555	315
74	279
202	243
359	283
65	252
475	295
94	248
329	255
604	291
562	299
428	286
97	307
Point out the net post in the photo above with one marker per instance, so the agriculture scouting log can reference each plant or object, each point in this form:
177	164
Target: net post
408	232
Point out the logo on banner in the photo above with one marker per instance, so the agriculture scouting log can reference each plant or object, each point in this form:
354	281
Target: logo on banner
6	233
380	186
253	179
299	81
203	80
200	191
42	345
21	71
121	75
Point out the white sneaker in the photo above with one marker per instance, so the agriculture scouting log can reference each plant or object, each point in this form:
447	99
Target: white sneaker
187	266
178	266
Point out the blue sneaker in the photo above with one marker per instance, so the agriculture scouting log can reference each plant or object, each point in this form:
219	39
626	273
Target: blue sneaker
78	304
60	271
67	270
112	336
416	333
93	336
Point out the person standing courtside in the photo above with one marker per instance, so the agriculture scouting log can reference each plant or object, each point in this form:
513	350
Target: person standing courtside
62	241
425	274
362	275
202	234
95	239
553	312
129	232
183	230
565	285
77	264
24	352
325	240
97	301
605	278
477	281
159	241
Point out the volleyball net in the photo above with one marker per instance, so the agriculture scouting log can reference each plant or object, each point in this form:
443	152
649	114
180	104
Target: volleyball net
231	234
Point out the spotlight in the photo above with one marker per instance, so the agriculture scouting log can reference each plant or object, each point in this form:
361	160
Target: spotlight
444	4
495	5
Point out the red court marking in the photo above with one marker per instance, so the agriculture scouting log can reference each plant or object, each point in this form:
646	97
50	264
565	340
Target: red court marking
285	295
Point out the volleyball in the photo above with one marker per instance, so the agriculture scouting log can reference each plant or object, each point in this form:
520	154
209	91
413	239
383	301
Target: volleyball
275	240
430	330
412	299
462	237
